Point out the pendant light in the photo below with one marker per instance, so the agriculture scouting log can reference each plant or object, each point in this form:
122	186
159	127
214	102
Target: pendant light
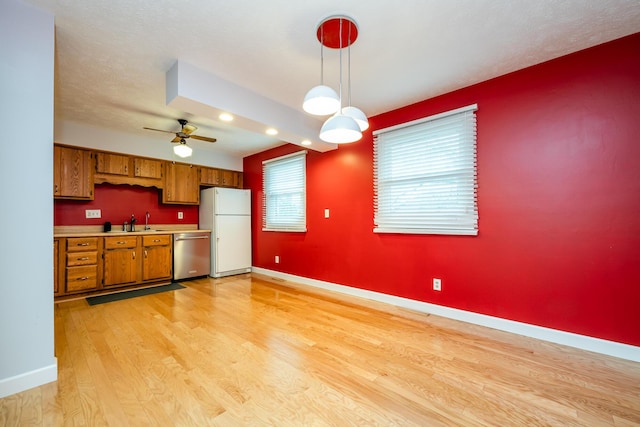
182	149
321	100
340	128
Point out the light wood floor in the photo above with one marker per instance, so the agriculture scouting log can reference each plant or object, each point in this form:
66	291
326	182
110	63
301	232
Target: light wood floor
242	351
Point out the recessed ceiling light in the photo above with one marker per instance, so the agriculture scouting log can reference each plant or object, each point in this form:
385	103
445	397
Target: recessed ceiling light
271	131
225	117
306	142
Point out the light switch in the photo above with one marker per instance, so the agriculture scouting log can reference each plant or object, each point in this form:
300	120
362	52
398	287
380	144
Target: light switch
326	213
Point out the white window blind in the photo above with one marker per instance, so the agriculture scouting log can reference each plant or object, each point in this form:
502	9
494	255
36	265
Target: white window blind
284	195
425	177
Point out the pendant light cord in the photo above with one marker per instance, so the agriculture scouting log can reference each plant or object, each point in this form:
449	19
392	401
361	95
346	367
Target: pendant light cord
349	65
321	55
340	38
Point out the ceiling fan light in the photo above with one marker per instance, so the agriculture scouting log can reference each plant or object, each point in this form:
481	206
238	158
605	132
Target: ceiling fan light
182	150
357	115
321	100
340	129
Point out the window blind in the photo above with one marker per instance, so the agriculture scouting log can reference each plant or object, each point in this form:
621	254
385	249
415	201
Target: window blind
425	175
284	193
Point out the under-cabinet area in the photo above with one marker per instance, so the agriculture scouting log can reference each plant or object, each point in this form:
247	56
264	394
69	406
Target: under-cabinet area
93	264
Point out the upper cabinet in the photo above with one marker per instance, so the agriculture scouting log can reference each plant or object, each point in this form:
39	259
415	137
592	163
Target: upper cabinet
147	168
72	173
122	169
76	171
181	184
211	177
113	164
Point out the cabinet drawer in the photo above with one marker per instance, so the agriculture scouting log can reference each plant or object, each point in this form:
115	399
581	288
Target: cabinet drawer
120	242
157	240
82	278
81	258
82	244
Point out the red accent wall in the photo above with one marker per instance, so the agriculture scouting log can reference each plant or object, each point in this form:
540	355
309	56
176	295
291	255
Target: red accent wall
558	197
118	202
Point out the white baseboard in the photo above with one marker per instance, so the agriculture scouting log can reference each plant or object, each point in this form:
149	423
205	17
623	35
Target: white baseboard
611	348
27	380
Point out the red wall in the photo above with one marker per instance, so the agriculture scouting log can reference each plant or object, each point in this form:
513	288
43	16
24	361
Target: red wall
118	202
558	197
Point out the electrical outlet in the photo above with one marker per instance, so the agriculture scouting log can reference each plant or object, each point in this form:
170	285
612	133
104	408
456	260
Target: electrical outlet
326	213
277	259
437	284
180	215
93	213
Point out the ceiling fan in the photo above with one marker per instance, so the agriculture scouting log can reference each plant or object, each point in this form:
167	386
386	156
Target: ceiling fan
185	132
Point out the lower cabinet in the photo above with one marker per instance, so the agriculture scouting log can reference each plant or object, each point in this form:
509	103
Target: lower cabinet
120	260
81	271
157	260
90	265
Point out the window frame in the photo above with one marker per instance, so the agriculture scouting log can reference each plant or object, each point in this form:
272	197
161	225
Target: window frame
269	219
458	215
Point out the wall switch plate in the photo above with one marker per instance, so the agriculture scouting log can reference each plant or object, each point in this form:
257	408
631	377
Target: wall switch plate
180	215
326	213
437	284
93	213
277	259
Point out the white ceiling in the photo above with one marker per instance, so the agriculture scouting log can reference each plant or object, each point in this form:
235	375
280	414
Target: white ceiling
112	56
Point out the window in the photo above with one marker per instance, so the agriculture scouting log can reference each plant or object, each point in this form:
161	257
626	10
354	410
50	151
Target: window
425	175
284	195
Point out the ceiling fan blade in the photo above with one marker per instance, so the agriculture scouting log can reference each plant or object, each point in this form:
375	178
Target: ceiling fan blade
203	138
176	139
159	130
189	129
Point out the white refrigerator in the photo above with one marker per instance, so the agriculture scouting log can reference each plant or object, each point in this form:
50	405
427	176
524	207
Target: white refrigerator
227	213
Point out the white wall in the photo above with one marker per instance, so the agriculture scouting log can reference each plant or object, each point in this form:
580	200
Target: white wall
26	258
83	135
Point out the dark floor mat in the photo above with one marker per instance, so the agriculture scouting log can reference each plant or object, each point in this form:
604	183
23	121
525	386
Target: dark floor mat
101	299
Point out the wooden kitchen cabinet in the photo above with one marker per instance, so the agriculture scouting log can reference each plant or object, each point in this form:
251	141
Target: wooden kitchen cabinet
56	268
113	164
72	173
231	179
210	177
81	271
157	259
120	260
147	168
181	184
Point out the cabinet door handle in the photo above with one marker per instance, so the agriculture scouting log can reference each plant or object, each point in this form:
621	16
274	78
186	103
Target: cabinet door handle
134	254
145	254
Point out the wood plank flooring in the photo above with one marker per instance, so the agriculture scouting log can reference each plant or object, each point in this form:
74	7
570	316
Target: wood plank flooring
245	351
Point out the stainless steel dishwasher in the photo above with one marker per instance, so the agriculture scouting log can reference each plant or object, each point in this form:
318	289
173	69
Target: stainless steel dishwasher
191	254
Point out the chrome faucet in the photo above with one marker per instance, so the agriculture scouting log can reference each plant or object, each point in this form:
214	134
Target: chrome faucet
146	221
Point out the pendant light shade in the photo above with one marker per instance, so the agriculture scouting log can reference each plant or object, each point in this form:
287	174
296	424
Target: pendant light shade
321	100
182	149
340	129
356	114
